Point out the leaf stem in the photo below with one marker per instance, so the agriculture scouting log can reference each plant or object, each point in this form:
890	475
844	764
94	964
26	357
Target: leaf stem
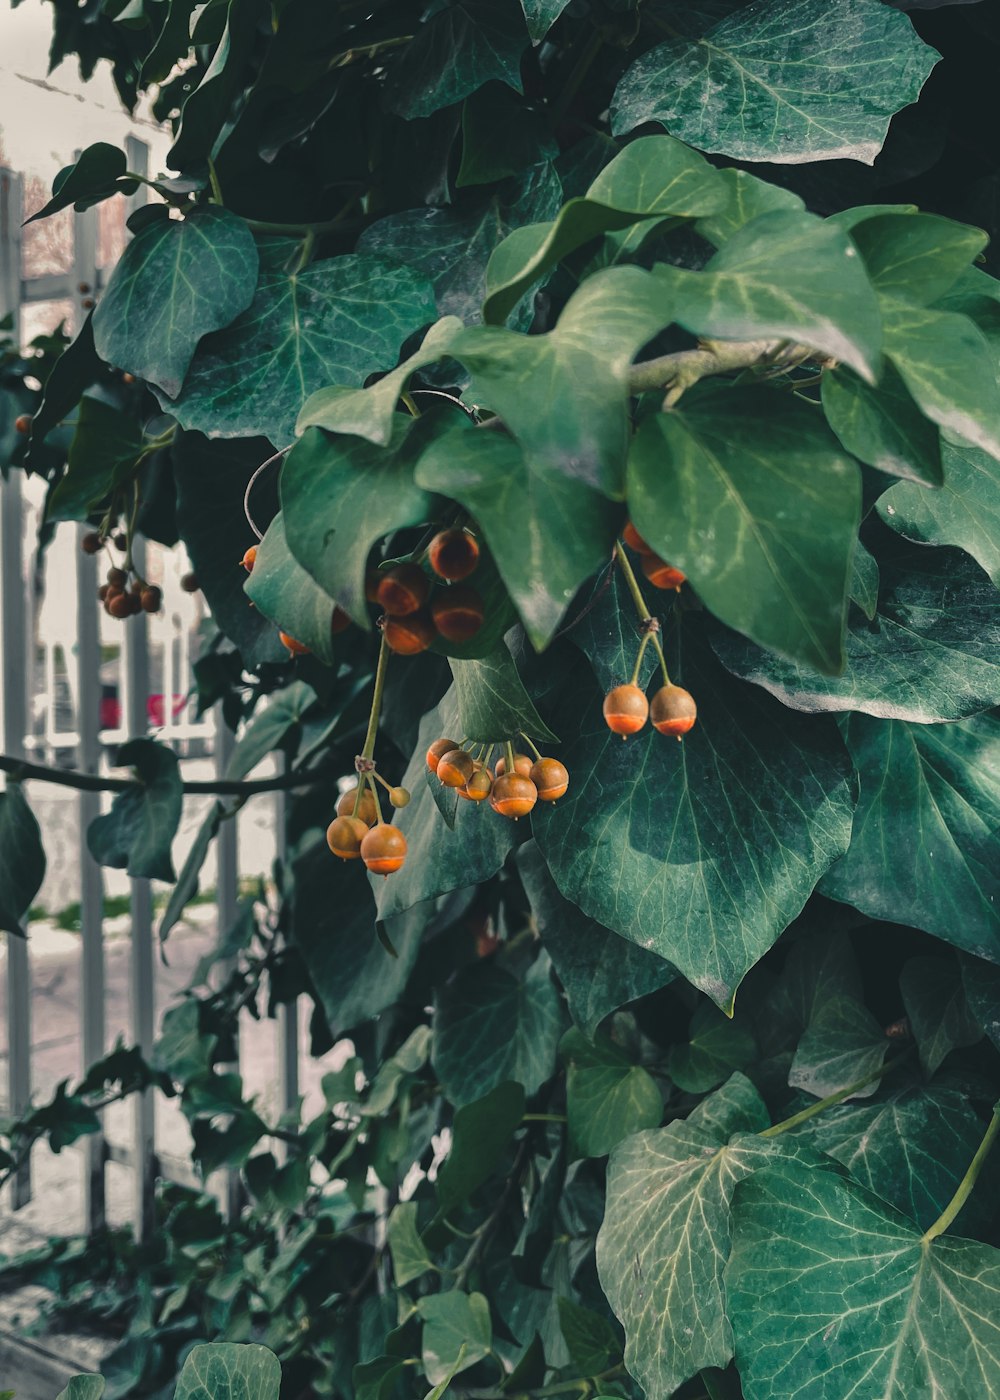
376	709
832	1099
968	1181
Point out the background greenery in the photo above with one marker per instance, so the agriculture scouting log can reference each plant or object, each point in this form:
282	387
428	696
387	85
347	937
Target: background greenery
620	1008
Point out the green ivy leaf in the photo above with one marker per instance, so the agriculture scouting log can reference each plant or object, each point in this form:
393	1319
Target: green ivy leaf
334	322
842	1043
269	727
457	1332
137	833
375	1380
964	512
607	1096
930	654
102	455
748	197
947	365
818	80
911	1146
211	478
592	1341
882	425
787	276
654	862
982	991
665	1236
451	247
542	15
599	971
22	858
341	494
206	109
455	52
925	848
79	1388
492	703
281	589
490	1026
546	533
714	1048
229	1371
187	881
501	136
785	504
864	581
76	369
917	257
480	1132
831	1290
96	175
937	1009
410	1259
654	175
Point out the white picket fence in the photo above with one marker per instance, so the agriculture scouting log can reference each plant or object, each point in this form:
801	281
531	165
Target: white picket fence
50	711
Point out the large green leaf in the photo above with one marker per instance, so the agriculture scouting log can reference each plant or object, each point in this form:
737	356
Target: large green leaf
456	51
930	654
982	990
926	843
947	365
832	1292
964	512
665	1236
748	197
607	1096
911	1146
441	859
81	1388
789	276
654	860
229	1371
269	727
654	175
784	501
937	1009
211	478
842	1043
918	257
137	833
334	322
457	1332
280	589
599	970
103	453
564	395
492	703
22	858
490	1026
176	281
808	80
480	1133
340	495
882	425
452	247
546	533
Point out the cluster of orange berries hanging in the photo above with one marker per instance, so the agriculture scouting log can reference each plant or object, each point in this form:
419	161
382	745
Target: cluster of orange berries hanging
124	593
418	610
672	709
358	831
512	787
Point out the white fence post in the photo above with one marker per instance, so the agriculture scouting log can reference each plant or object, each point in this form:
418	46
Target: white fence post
288	1012
226	904
11	214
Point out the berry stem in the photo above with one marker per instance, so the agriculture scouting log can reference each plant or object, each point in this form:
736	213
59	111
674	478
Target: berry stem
968	1181
530	745
383	660
638	660
379	779
632	581
374	787
509	756
663	660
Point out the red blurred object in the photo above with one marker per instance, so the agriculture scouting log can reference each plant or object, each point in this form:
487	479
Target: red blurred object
156	708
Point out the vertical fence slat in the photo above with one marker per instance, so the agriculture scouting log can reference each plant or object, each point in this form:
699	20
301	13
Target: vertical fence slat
15	725
136	680
226	901
11	214
288	1012
88	724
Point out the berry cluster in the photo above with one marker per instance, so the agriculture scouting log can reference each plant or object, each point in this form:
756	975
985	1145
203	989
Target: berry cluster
416	609
512	787
124	594
358	830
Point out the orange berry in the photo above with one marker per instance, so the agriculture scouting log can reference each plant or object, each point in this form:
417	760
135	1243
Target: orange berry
672	710
522	765
126	377
384	849
479	786
296	648
119	605
402	590
457	613
551	778
455	768
408	635
249	559
22	423
438	750
367	812
91	542
513	795
150	599
371	586
453	554
399	796
626	709
660	573
117	578
344	836
634	540
339	622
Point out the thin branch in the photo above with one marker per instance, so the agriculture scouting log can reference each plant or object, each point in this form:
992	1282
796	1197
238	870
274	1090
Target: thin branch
677	372
21	771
